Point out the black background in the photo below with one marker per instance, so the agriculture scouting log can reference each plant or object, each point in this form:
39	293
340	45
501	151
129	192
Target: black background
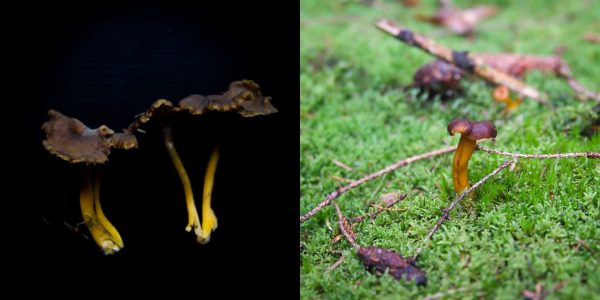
103	64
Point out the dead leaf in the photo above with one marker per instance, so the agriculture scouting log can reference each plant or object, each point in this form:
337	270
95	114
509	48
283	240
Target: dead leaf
459	21
390	199
378	260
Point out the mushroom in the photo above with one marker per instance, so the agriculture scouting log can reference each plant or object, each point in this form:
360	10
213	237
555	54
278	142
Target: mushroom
71	140
470	133
502	94
243	96
209	220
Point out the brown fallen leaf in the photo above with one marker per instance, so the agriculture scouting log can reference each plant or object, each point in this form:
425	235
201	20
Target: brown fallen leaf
591	37
459	21
392	198
378	260
410	3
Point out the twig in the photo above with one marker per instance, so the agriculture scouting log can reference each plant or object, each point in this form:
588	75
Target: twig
449	209
462	60
342	165
371	176
342	179
565	72
372	215
337	263
580	89
379	210
344	227
542	156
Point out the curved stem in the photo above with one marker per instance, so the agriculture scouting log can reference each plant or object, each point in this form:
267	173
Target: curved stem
108	237
104	222
193	218
209	220
460	176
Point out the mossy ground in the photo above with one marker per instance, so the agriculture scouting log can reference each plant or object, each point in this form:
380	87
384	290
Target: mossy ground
524	226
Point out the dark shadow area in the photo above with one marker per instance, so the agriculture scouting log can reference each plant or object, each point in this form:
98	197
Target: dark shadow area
106	64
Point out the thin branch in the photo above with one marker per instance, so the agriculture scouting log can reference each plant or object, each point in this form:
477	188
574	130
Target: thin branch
342	165
565	72
449	209
336	264
580	89
371	176
372	215
542	156
462	60
345	228
379	210
342	179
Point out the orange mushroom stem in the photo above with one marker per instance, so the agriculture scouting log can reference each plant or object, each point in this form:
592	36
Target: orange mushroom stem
470	133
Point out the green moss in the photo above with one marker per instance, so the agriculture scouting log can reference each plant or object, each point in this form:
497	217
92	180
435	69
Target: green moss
525	225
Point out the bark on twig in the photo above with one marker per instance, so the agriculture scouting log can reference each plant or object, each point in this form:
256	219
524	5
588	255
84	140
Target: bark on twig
342	165
345	228
337	263
372	215
371	176
449	209
462	60
542	156
580	89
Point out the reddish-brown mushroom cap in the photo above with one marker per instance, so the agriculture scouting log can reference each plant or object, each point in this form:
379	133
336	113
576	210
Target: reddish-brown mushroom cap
69	139
472	130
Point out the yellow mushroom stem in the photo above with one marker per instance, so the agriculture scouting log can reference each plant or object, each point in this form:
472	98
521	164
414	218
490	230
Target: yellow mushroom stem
193	218
102	231
209	220
462	155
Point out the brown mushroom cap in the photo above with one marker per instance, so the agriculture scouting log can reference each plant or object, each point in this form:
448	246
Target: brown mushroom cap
472	130
243	96
69	139
159	106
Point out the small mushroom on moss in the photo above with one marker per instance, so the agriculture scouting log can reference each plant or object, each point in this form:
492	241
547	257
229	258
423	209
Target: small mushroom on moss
470	133
502	94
